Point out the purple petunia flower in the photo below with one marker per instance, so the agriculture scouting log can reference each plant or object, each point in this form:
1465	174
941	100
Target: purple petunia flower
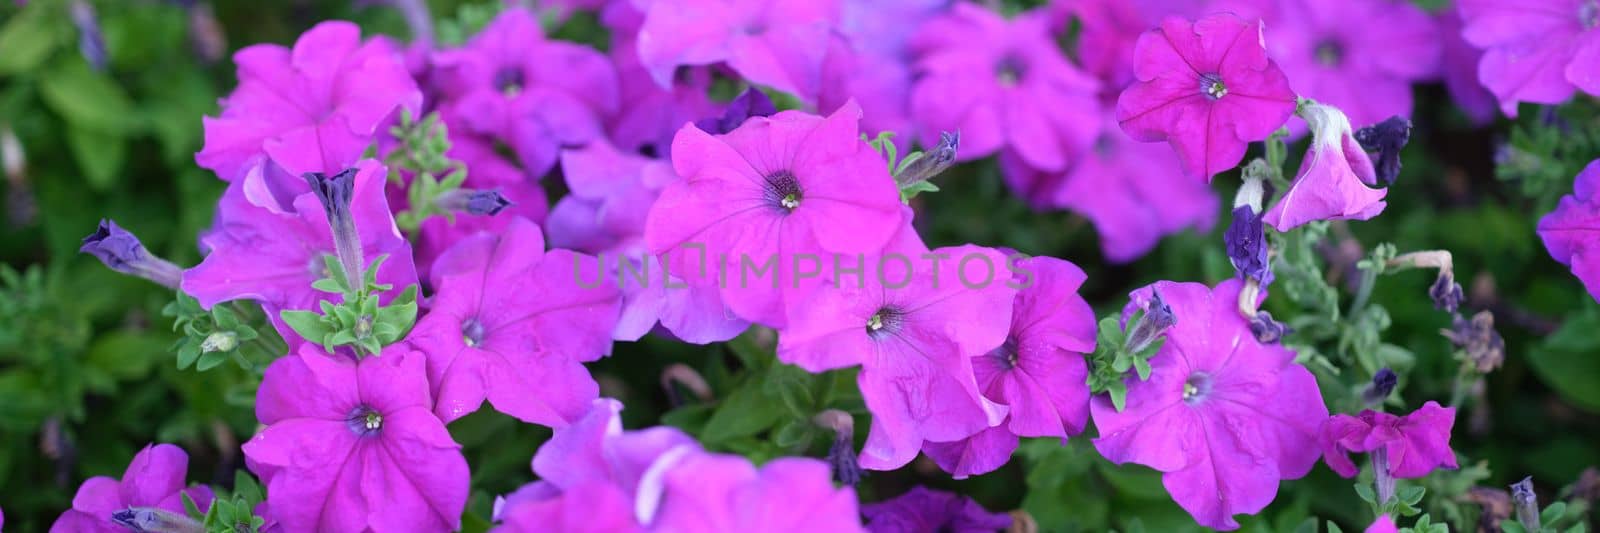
153	481
1038	373
777	43
914	328
1567	232
1538	51
1207	88
513	324
870	61
1414	444
649	114
1110	28
1458	66
273	258
775	188
314	108
924	509
1134	193
597	477
489	170
1004	85
1223	416
534	94
354	445
1335	60
1335	177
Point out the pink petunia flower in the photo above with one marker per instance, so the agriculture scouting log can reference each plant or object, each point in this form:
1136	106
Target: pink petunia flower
777	43
774	189
1109	29
1336	61
1038	373
1539	51
353	445
869	62
537	95
1004	85
1414	445
914	326
313	108
1569	234
1207	88
1335	176
924	509
153	480
488	171
273	258
1223	417
649	114
513	324
1383	524
597	477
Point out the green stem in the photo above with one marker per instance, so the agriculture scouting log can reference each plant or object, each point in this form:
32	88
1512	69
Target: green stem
1369	277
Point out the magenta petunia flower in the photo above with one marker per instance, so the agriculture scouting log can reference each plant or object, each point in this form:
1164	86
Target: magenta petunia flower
1335	177
914	328
1109	29
1207	88
598	477
1134	193
1538	51
1038	373
488	171
650	115
777	43
1569	234
925	509
870	61
314	108
1004	85
773	189
273	258
353	445
534	94
513	324
1223	417
1458	66
1414	444
1383	524
153	480
1336	61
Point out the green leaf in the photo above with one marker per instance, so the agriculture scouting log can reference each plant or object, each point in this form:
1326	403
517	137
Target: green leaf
1566	360
743	413
99	155
1553	513
210	360
188	352
328	285
1365	492
29	38
307	324
88	99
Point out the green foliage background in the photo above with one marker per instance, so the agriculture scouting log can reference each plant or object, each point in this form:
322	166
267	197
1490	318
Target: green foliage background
87	377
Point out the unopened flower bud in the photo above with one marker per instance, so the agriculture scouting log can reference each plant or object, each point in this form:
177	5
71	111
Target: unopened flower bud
122	252
155	520
933	162
1246	241
681	374
336	192
220	341
751	103
842	453
480	202
1157	319
1267	330
1382	385
1386	138
91	42
205	33
1526	504
1445	292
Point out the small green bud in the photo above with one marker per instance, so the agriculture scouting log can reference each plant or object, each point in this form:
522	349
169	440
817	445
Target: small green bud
221	341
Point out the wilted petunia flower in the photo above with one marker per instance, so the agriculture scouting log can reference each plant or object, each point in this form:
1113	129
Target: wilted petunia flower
121	251
1537	51
534	94
1223	416
775	188
1414	444
153	481
1567	232
1334	179
353	445
1004	85
914	329
273	258
513	324
777	43
313	108
1207	88
1334	60
1039	373
924	509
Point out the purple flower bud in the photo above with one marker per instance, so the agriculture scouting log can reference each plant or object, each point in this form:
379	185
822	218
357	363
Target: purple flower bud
481	202
1382	384
205	33
1526	503
842	453
91	43
1446	293
122	252
155	520
1157	319
336	192
751	103
1267	330
1386	138
1246	240
933	162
